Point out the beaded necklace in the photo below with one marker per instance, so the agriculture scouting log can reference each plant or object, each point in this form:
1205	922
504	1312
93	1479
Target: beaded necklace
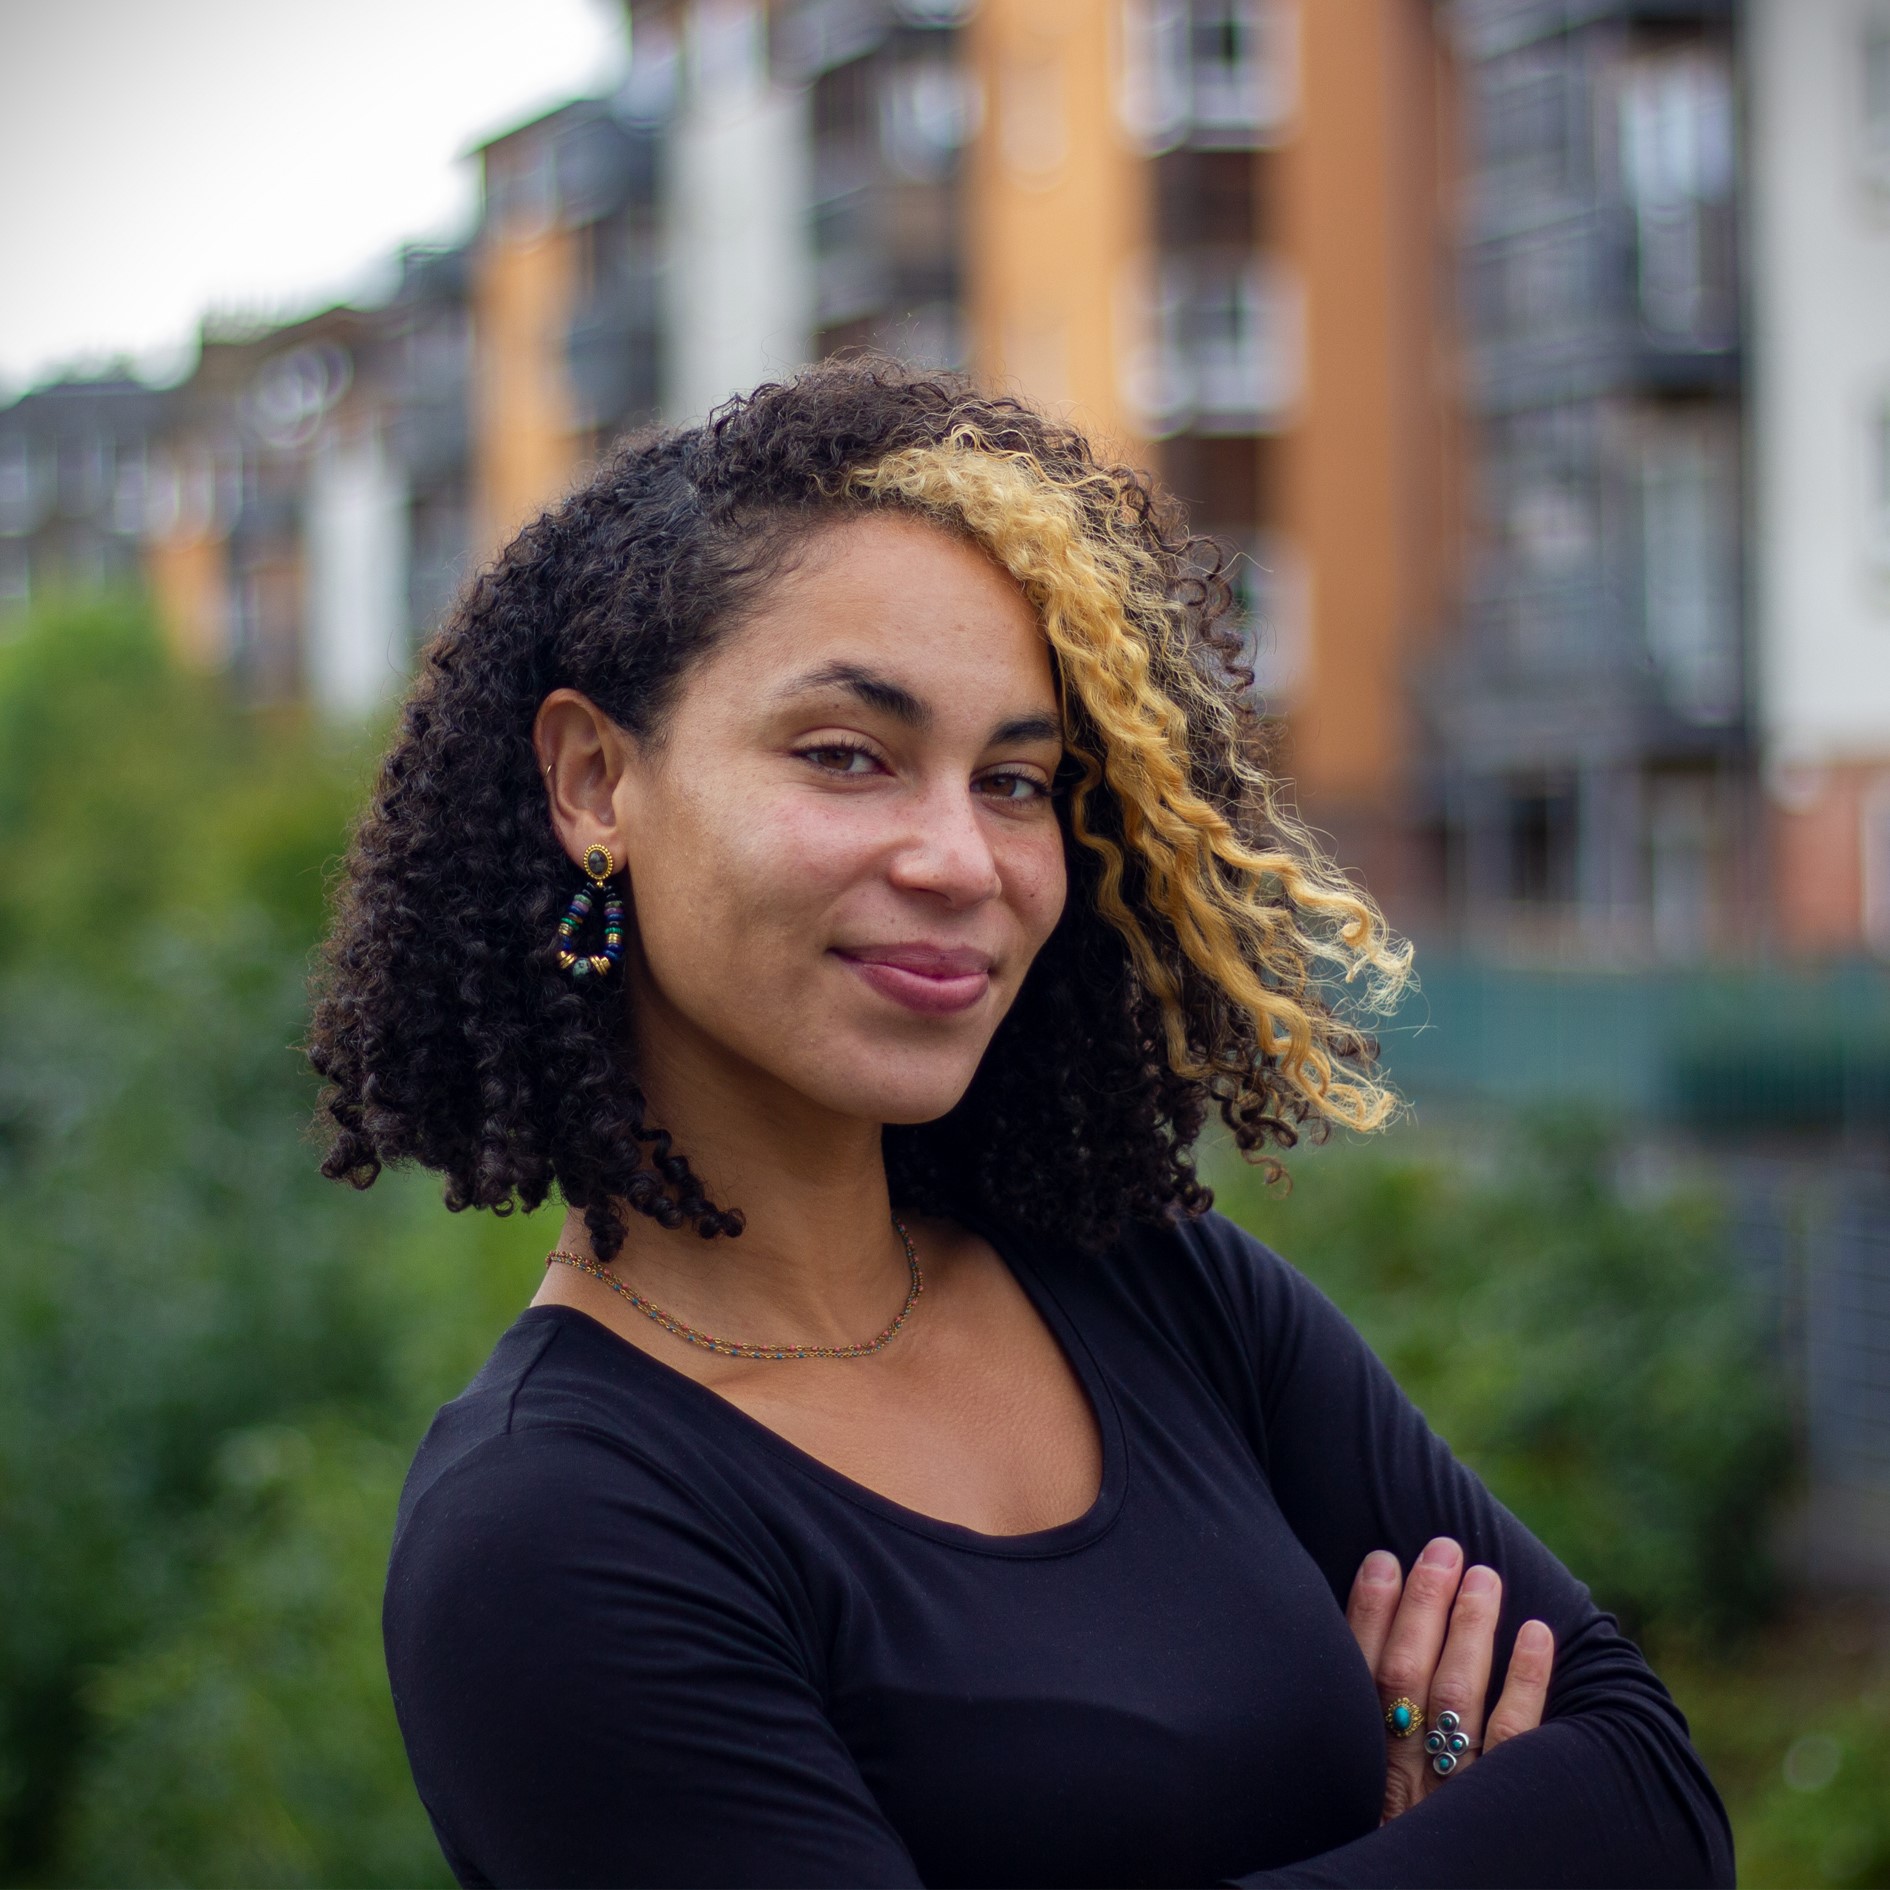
734	1348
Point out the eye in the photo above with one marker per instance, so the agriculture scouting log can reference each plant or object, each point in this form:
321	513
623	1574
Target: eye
1013	786
841	758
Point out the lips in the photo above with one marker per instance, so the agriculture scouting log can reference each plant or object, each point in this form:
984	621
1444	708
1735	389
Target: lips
934	980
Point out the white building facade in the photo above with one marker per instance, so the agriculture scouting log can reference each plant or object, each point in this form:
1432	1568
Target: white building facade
740	263
1818	76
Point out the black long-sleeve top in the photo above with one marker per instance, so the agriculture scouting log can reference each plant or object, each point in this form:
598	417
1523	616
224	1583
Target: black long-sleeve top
635	1637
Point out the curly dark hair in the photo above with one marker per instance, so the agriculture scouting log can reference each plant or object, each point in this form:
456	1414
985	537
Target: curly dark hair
1182	975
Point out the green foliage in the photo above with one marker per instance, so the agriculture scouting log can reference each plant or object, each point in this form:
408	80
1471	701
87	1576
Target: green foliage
1829	1805
131	794
179	1287
1798	1738
177	1283
253	1740
1597	1361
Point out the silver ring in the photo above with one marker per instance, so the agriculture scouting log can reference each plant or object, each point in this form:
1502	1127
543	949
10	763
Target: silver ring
1448	1744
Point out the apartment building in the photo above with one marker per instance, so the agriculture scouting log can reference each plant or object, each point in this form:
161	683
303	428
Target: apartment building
1430	309
75	473
294	507
1209	230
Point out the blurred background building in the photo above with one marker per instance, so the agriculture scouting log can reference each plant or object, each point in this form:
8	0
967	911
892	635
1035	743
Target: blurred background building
1524	352
1437	314
1529	355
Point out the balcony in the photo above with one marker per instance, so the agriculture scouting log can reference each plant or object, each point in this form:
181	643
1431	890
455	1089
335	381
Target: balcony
1217	343
1214	75
611	345
1602	253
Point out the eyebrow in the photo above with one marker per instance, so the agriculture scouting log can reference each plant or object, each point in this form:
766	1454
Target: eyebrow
876	691
891	698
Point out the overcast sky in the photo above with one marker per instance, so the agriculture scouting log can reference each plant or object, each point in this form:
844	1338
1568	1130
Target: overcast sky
163	157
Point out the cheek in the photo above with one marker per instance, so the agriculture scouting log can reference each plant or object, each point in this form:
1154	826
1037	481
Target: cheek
734	879
1038	883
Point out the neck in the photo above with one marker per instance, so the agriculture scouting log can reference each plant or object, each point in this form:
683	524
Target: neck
818	1260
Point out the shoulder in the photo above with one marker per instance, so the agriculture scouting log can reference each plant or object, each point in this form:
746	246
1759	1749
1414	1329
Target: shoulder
543	1408
564	1472
1209	1295
1210	1271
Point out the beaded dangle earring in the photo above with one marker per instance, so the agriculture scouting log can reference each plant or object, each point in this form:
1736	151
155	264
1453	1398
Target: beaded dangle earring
601	865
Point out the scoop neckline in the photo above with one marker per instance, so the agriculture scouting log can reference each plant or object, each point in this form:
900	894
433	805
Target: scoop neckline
1059	1539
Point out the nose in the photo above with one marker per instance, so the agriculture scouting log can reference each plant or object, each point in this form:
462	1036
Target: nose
947	853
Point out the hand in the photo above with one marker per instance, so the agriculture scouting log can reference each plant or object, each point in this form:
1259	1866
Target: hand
1430	1640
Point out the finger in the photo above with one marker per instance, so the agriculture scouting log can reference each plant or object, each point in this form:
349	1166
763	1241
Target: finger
1410	1658
1525	1687
1374	1603
1462	1678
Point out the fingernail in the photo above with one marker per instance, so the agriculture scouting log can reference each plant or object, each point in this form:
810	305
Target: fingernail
1380	1570
1439	1554
1534	1638
1480	1581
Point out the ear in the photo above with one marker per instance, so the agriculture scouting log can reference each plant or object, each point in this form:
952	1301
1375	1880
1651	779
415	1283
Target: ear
583	757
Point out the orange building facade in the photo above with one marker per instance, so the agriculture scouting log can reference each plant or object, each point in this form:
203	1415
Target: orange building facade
1220	237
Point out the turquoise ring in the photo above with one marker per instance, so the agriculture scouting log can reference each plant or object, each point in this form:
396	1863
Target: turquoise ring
1447	1743
1403	1717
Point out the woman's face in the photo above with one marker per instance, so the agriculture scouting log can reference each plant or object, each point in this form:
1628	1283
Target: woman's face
842	849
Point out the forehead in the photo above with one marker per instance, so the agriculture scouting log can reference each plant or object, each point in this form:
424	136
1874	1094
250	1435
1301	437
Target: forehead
903	596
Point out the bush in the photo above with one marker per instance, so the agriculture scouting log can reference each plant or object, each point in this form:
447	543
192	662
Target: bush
190	1681
252	1741
1826	1815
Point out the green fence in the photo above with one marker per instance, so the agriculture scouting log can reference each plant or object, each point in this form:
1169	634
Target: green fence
1708	1049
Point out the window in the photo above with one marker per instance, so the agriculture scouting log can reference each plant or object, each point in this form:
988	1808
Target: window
128	491
1543	818
19	508
521	186
1241	65
1542	508
1224	333
1219	344
1874	95
1547	284
1529	121
1874	838
1689	564
1680	845
928	109
1211	73
1676	132
1551	524
1877	482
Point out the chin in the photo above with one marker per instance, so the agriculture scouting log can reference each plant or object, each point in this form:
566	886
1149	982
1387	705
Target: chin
878	1094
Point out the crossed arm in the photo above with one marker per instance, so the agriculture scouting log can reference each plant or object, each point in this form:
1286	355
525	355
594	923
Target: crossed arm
1606	1787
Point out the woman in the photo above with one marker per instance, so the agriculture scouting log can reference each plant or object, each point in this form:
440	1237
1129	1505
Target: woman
829	850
